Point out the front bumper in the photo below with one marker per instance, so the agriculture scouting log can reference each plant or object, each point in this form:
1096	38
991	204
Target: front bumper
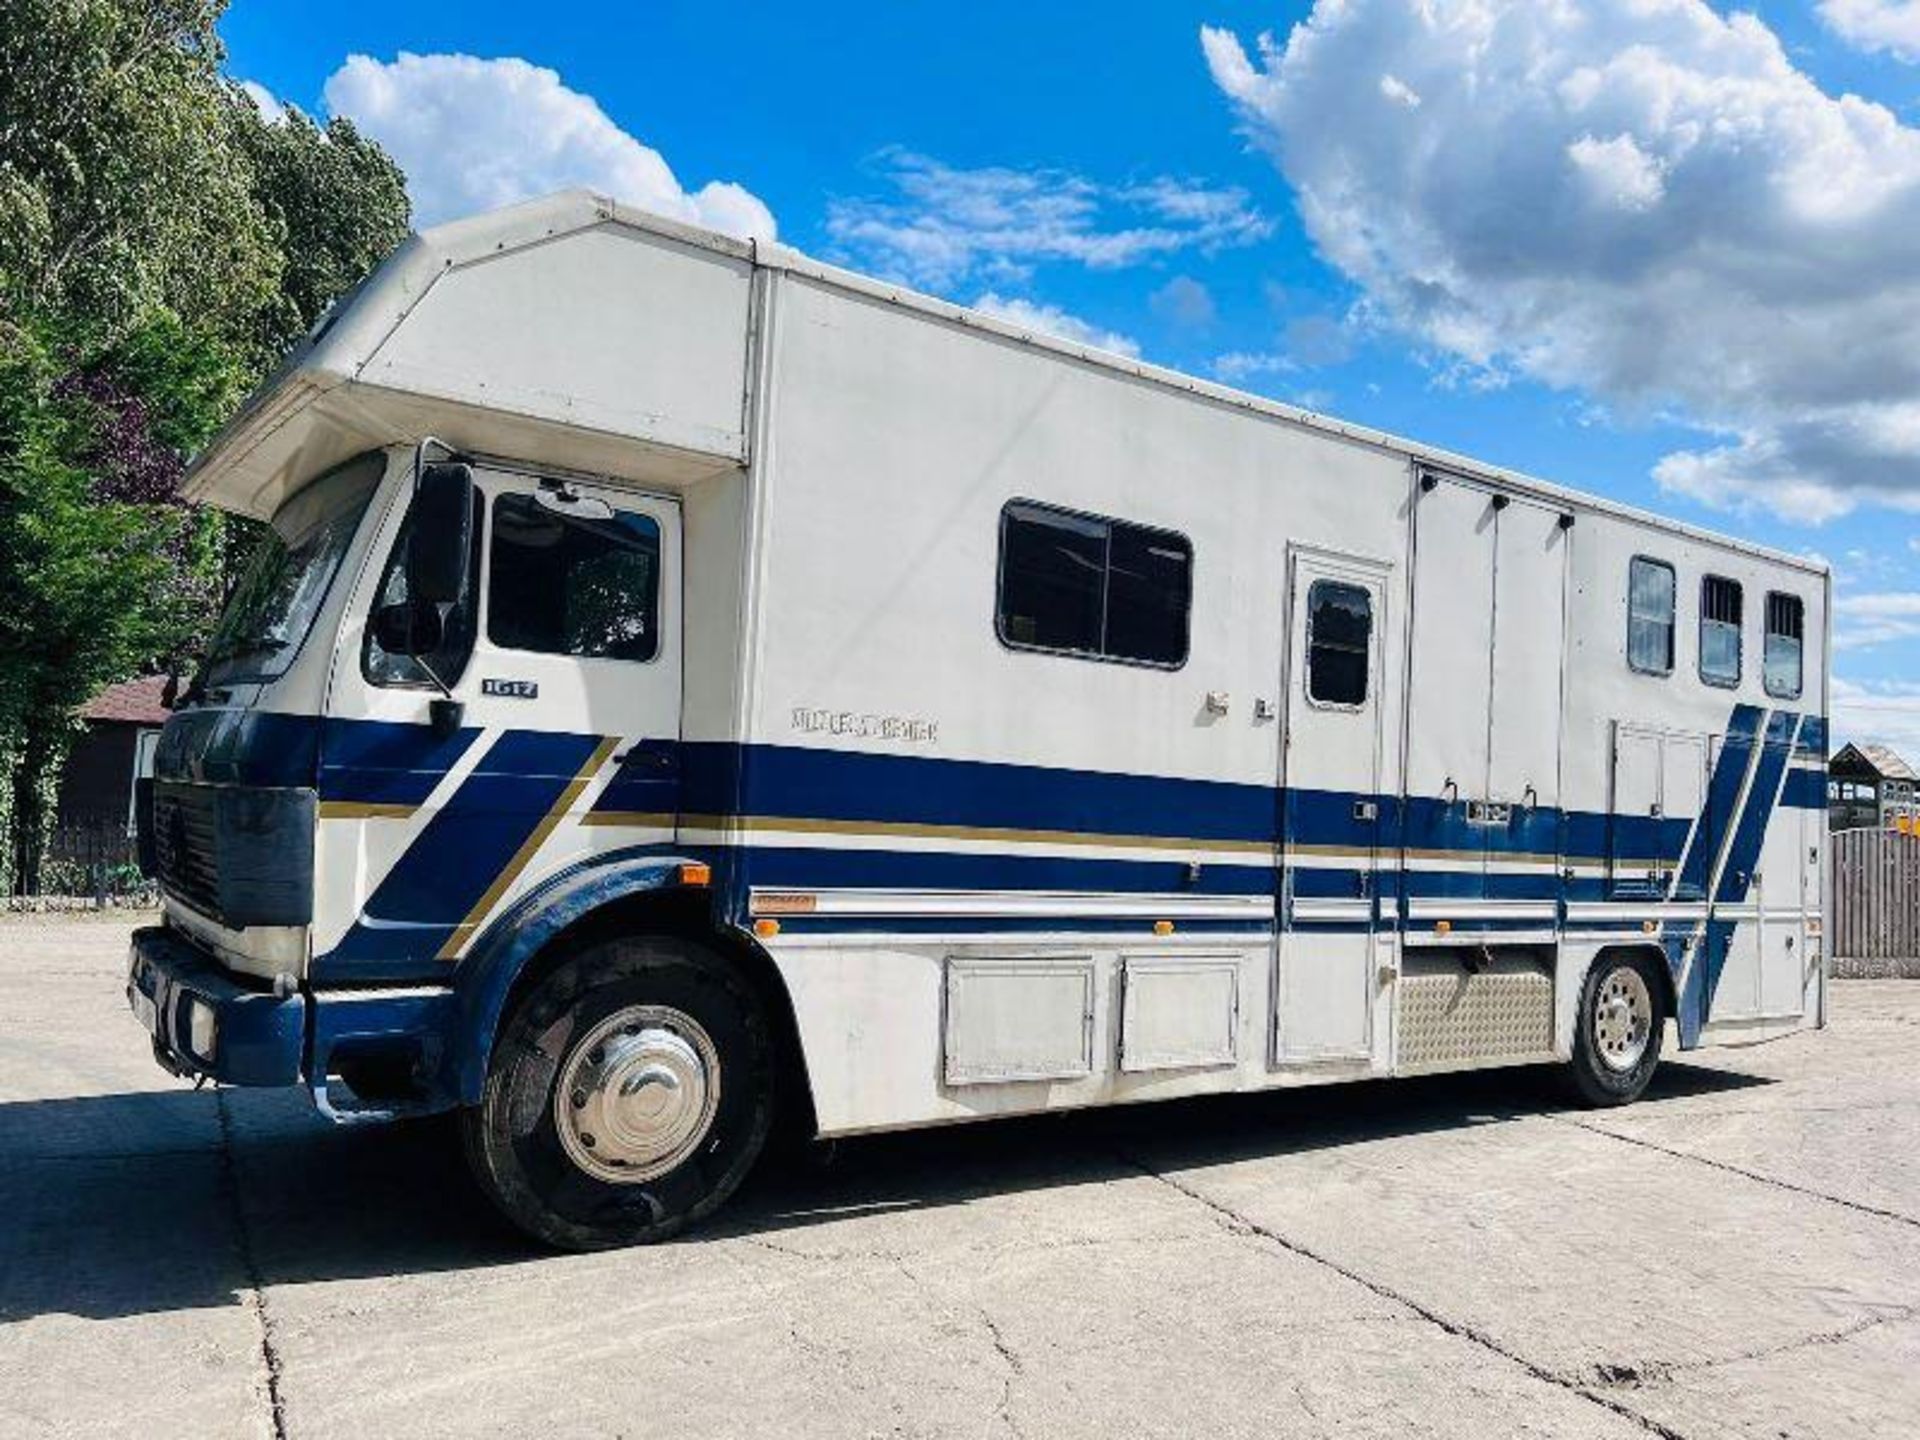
204	1023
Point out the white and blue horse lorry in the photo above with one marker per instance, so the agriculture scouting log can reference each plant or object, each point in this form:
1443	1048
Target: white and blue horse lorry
686	678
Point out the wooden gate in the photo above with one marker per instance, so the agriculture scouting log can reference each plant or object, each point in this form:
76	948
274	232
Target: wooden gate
1874	925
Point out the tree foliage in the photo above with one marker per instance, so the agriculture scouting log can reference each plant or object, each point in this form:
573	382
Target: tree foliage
161	244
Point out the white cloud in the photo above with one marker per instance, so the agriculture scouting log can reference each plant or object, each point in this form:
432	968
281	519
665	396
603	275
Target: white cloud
1398	91
1860	621
944	225
1643	200
1619	172
476	134
1052	320
1184	301
270	106
1892	26
1881	714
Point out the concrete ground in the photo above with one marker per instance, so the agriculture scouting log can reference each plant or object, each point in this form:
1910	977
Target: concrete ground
1739	1254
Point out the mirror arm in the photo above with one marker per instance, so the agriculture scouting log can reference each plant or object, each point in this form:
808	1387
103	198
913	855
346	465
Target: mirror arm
428	671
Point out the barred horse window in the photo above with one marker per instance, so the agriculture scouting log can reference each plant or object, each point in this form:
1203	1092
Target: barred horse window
1781	660
1650	616
1720	606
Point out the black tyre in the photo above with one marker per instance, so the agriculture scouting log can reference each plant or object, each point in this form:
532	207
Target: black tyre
629	1093
1618	1030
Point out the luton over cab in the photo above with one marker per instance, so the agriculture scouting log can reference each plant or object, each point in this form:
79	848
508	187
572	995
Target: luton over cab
687	685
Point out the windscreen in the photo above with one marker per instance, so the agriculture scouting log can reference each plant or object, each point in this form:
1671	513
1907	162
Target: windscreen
278	598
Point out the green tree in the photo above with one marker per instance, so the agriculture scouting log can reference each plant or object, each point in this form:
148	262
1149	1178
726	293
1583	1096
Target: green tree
161	244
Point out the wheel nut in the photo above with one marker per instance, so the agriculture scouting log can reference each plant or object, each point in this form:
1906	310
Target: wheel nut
595	1055
579	1098
587	1140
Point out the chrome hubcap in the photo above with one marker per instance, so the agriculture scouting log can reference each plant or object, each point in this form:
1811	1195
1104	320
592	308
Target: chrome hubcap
1622	1019
637	1094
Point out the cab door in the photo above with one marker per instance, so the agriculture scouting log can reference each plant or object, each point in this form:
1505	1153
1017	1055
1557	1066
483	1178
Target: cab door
1331	809
556	737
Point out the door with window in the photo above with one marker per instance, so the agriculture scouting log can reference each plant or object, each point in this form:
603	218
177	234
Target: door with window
564	663
1331	763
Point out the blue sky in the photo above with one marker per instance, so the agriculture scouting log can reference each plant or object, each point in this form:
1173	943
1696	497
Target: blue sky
1318	224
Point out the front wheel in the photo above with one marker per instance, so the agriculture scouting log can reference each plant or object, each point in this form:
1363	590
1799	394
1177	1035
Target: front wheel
1617	1034
629	1093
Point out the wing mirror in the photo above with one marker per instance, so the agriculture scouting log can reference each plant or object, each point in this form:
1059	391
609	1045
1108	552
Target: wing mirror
441	544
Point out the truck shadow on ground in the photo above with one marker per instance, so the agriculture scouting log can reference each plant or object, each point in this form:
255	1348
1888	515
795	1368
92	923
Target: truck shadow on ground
149	1202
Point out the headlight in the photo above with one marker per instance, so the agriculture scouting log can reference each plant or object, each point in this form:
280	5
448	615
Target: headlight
203	1029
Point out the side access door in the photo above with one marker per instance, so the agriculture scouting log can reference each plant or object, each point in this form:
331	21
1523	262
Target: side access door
1482	834
564	664
1330	946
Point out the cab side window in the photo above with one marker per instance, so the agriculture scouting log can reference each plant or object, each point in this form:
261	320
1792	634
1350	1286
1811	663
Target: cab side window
579	581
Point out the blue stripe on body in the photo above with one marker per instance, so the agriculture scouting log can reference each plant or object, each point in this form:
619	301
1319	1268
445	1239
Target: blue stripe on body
238	747
376	762
795	782
434	885
1723	794
1806	789
823	868
463	848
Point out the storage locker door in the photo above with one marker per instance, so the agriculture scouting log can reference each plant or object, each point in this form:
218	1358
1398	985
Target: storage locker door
1683	792
1634	814
1523	827
1450	690
1817	925
1779	882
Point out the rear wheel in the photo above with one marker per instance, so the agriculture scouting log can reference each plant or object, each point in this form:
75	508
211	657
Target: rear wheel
629	1093
1617	1034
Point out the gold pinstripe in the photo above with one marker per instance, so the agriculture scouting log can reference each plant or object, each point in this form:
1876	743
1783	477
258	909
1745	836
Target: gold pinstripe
528	849
359	810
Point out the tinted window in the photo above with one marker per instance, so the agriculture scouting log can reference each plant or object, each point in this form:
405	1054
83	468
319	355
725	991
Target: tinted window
456	636
1094	587
1780	660
1650	616
573	584
1339	628
1720	631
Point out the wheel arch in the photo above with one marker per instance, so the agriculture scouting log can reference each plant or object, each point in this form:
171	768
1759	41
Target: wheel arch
633	897
1656	958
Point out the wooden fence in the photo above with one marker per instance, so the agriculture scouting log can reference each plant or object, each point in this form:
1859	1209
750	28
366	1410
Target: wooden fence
1874	922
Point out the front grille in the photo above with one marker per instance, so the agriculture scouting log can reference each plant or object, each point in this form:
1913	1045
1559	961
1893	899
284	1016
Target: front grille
183	845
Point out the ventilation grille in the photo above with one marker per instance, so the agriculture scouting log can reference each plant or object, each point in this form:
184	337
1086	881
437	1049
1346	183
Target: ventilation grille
183	846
